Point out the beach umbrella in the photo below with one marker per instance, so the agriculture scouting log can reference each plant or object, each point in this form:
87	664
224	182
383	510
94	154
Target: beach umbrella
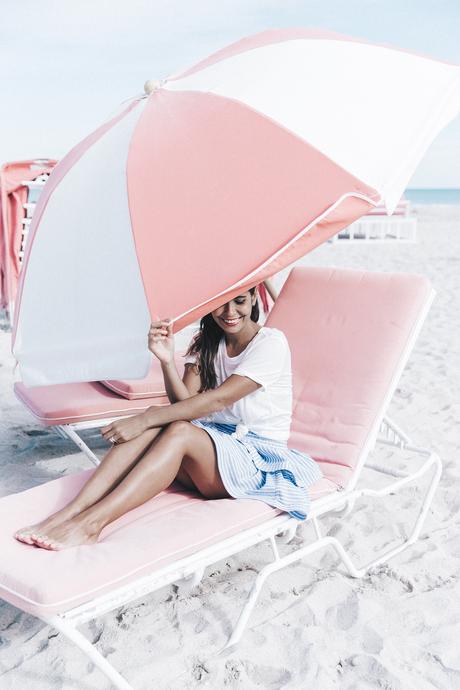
210	182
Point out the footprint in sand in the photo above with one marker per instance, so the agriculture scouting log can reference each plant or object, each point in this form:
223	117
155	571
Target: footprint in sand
268	677
347	613
372	642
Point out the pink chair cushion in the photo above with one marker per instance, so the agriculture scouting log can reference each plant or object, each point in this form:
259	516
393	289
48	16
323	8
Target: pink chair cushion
174	524
349	333
151	387
69	403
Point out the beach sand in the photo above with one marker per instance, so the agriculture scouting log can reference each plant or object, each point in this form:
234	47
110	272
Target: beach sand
314	626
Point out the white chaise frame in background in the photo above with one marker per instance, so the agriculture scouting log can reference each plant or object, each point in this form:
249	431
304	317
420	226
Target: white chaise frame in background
376	227
189	571
376	230
70	431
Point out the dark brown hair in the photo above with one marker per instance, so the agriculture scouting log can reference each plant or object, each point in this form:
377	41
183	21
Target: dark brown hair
206	343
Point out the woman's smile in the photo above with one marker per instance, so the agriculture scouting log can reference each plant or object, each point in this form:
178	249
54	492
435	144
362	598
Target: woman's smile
231	322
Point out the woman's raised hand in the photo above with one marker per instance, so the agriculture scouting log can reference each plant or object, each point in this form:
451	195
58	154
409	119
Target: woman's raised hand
161	340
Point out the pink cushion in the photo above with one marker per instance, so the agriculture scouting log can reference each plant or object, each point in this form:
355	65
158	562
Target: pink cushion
79	402
151	387
348	332
170	526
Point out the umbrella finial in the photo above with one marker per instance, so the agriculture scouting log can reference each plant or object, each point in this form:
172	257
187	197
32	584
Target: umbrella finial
151	85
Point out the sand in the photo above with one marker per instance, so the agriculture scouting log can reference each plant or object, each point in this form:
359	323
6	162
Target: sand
315	626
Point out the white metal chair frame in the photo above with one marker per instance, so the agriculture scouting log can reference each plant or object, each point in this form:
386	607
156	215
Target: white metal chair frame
70	431
373	227
32	185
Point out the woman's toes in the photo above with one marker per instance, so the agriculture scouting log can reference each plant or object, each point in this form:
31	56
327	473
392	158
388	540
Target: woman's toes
49	544
45	542
24	536
38	538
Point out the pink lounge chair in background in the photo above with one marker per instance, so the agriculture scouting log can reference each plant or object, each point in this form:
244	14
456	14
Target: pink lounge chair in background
21	183
74	407
351	333
377	226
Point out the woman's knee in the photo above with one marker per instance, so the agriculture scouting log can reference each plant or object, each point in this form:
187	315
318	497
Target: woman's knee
179	428
179	432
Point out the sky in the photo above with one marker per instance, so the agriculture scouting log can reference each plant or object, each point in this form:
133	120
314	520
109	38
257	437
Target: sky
68	64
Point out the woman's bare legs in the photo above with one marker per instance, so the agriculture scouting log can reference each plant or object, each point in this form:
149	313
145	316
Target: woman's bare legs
115	465
181	443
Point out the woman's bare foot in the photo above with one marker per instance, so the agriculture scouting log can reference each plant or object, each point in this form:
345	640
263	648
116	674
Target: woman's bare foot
26	533
73	532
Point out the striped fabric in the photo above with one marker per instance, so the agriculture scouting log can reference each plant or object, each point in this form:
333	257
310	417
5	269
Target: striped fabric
263	469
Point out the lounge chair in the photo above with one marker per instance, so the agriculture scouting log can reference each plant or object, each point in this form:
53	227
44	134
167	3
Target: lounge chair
20	185
71	408
351	333
377	226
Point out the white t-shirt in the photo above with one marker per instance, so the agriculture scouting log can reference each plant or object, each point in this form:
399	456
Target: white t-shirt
266	360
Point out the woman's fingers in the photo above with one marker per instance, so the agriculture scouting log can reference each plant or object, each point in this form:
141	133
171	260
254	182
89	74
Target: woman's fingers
158	331
154	340
163	326
109	433
163	323
158	335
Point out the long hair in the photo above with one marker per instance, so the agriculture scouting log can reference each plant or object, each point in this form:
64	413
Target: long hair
206	343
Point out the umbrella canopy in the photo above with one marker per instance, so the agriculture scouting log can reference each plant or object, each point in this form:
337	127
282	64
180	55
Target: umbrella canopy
219	177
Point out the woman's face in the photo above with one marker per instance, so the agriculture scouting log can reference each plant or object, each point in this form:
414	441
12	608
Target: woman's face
234	315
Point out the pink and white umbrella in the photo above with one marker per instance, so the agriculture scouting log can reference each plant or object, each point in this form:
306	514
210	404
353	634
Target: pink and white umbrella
218	178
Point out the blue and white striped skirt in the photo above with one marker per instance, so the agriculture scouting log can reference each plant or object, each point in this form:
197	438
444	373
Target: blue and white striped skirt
262	468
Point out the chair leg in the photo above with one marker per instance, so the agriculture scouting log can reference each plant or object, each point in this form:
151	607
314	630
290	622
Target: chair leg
321	542
273	567
287	535
66	430
74	635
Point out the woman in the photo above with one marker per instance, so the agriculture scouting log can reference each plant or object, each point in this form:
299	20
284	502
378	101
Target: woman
224	433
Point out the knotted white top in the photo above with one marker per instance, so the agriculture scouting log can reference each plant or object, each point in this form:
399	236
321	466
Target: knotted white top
241	431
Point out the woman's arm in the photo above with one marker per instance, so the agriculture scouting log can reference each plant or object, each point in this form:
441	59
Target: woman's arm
161	344
179	389
200	405
176	389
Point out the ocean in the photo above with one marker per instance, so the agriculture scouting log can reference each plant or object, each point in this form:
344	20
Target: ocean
433	196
